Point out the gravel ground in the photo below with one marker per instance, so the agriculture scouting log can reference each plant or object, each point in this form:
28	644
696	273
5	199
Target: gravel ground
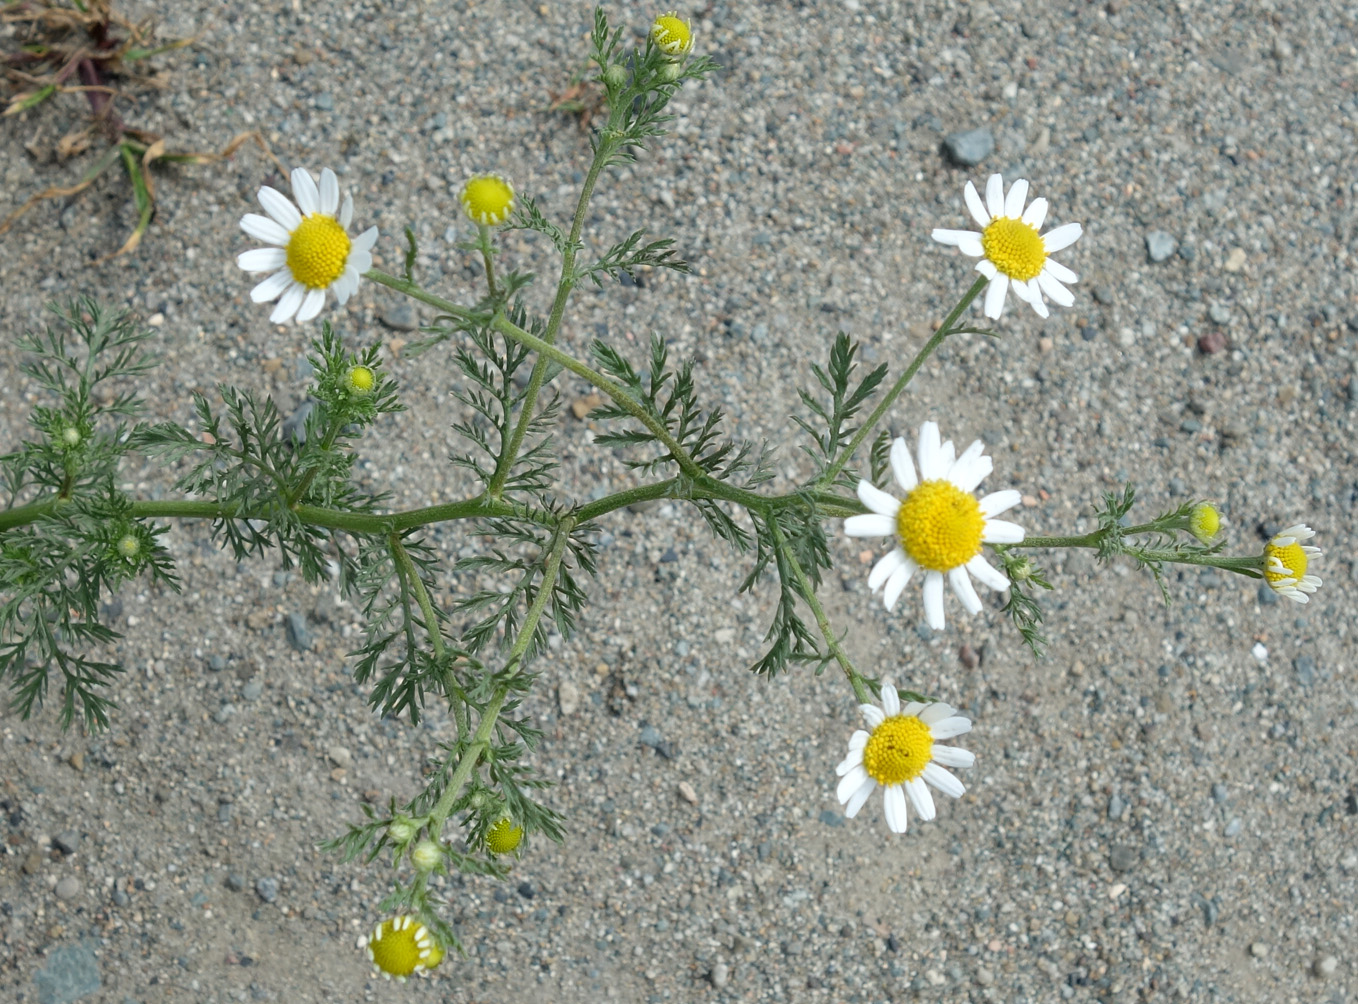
1156	814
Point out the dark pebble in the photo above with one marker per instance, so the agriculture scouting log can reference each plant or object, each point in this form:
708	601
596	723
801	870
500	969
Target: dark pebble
267	888
1123	858
1211	343
526	890
66	841
399	317
121	898
235	881
1267	597
661	829
216	663
298	633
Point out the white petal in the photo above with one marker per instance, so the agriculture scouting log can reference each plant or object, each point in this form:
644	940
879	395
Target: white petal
948	454
971	468
933	600
262	259
913	709
280	207
1059	272
1001	531
966	592
931	466
872	715
936	712
1001	501
360	262
304	191
1062	237
1054	290
859	798
967	241
994	195
987	268
344	286
895	808
346	215
858	740
1036	213
952	756
902	467
981	568
1013	202
366	240
288	303
1034	297
272	287
329	192
994	296
1021	290
870	525
976	206
850	783
886	567
972	247
854	759
891	701
877	500
311	305
261	228
897	583
949	727
943	781
920	798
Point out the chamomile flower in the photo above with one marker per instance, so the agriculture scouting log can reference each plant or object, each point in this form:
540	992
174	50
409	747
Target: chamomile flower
939	526
1285	563
1204	522
504	836
900	753
487	199
673	36
310	250
1011	250
401	946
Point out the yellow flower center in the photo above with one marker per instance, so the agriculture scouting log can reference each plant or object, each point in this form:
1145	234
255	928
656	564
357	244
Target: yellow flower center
672	35
488	199
361	380
1015	248
940	526
898	750
1205	522
317	251
401	945
503	837
1292	558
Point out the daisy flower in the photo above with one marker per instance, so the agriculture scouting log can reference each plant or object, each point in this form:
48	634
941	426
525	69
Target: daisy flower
1285	561
900	751
673	36
310	250
401	946
939	526
1011	250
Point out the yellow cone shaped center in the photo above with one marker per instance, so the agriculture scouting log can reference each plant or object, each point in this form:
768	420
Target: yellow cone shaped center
1292	558
898	750
1015	248
940	526
317	251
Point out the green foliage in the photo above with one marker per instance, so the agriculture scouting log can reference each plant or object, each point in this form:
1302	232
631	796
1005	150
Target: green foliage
846	400
788	638
628	255
1021	607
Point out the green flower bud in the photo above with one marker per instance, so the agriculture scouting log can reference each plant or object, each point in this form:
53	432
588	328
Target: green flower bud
426	855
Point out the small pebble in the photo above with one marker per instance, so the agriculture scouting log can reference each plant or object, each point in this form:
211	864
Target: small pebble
267	889
1123	858
252	690
967	149
235	881
340	756
1219	313
299	635
1325	967
1259	950
1211	342
687	793
66	841
1260	652
399	317
721	975
224	713
1233	827
1306	670
568	697
1160	245
68	887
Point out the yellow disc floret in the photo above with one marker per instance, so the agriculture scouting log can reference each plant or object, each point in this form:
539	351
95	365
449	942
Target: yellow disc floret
401	946
1204	522
940	526
671	35
1014	247
898	750
360	380
317	251
488	199
128	546
1284	563
504	836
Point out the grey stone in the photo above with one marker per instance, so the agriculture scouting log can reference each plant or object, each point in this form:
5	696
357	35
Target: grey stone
299	635
325	102
721	975
568	696
235	881
1267	597
1123	858
399	317
66	841
967	149
1324	967
1160	245
1306	670
267	889
831	818
1219	313
68	887
1259	950
526	890
1116	806
1103	295
340	756
224	810
224	713
294	426
216	663
120	898
252	690
71	972
1219	793
1233	827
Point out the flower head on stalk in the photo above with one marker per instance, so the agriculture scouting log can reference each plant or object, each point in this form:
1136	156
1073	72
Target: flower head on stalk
1286	560
899	752
1011	249
310	251
939	526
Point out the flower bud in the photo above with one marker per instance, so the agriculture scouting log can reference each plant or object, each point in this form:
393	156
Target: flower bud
504	836
359	381
1204	522
615	77
128	546
70	437
426	856
488	199
402	830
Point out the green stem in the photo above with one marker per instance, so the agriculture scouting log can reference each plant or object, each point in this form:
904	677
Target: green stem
865	430
412	574
513	663
1246	564
510	451
326	444
490	262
